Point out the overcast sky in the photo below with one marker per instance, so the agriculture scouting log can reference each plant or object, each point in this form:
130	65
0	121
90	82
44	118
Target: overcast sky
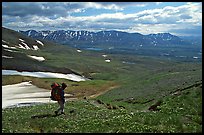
178	18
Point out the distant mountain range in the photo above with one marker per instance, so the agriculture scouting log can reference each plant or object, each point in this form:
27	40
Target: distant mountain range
107	38
32	50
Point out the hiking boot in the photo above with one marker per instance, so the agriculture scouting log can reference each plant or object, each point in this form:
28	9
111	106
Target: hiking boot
62	113
56	112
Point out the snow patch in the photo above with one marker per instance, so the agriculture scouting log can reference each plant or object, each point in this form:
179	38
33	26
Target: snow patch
23	93
44	34
104	56
107	61
8	57
20	46
29	33
40	42
79	51
21	40
37	58
35	47
26	46
72	77
6	46
10	50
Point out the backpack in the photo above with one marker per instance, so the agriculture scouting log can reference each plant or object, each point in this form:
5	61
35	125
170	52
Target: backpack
56	92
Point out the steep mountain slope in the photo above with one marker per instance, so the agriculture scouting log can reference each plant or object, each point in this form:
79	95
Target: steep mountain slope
23	53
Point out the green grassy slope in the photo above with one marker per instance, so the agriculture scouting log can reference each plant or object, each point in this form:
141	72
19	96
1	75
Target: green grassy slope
177	113
140	87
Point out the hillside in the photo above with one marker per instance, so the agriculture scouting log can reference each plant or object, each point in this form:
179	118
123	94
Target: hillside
125	93
177	113
17	47
22	53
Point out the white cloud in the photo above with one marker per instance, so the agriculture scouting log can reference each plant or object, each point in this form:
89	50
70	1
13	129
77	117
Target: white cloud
157	3
151	28
102	6
113	5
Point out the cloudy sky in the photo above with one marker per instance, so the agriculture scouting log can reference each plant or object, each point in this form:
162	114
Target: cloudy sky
178	18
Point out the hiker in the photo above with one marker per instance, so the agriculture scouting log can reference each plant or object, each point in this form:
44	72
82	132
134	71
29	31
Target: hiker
57	94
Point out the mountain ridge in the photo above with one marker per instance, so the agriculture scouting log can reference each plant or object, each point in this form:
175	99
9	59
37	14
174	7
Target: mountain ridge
106	38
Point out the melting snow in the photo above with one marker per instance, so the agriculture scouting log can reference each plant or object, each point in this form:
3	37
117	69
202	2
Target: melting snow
20	46
40	42
7	57
72	77
21	40
44	34
25	94
6	46
79	51
107	61
37	58
104	56
26	46
35	47
29	33
10	50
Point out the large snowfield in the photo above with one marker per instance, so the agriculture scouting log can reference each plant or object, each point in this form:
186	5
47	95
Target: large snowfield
72	77
24	93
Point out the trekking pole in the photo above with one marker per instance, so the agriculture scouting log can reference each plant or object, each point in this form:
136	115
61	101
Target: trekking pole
49	103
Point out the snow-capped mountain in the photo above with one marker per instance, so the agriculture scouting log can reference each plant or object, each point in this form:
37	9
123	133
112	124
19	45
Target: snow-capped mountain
106	38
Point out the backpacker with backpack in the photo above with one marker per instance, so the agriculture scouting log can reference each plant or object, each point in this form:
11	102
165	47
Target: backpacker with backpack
56	92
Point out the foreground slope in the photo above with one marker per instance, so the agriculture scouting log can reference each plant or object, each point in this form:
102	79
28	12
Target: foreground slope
177	114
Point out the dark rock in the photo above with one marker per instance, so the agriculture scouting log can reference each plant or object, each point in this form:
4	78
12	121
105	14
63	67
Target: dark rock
154	107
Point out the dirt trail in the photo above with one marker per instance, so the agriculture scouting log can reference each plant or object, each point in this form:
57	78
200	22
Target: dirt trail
97	94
